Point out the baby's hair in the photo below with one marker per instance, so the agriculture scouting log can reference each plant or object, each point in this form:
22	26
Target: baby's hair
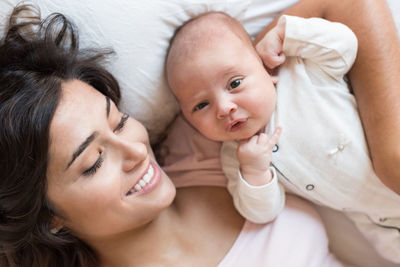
191	34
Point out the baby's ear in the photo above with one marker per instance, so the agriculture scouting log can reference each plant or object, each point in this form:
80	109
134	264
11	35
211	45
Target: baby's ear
273	73
274	79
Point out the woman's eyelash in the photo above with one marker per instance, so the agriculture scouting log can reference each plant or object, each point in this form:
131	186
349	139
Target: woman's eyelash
92	170
122	122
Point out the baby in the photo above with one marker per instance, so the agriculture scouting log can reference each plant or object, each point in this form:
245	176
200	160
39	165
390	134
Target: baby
226	93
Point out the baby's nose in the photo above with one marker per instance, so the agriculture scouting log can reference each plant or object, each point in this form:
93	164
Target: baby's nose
225	108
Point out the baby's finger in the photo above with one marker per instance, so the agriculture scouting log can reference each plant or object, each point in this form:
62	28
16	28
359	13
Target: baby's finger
262	138
274	61
247	141
275	136
254	139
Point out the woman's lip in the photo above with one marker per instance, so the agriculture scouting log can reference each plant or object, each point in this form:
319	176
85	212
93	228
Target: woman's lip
148	181
137	182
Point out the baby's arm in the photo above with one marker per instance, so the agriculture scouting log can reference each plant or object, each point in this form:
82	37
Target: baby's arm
331	46
374	77
256	193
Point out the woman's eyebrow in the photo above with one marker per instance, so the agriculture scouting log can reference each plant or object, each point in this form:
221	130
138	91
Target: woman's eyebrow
108	106
90	138
82	147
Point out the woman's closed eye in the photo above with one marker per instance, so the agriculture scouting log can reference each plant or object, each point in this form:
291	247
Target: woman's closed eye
92	170
200	106
121	123
235	83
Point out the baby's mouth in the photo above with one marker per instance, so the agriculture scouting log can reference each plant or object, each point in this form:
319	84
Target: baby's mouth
236	125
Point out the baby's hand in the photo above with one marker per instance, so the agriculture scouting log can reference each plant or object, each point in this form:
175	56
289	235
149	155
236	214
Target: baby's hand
254	155
270	47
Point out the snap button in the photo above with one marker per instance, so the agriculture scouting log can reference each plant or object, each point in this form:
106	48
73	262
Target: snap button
310	187
342	143
276	148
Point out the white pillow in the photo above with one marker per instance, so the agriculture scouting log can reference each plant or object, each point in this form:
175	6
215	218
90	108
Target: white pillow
139	32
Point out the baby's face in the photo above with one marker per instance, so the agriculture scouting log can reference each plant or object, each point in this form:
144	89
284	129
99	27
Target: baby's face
224	90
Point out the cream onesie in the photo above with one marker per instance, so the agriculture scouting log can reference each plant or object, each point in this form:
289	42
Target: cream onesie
322	154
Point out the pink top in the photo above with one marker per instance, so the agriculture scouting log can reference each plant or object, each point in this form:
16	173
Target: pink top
186	152
295	238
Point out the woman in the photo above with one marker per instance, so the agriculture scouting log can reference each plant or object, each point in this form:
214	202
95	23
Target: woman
79	185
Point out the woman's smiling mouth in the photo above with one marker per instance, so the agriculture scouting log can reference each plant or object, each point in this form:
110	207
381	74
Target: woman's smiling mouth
149	180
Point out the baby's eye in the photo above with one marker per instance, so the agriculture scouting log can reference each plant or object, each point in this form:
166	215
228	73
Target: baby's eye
235	84
200	106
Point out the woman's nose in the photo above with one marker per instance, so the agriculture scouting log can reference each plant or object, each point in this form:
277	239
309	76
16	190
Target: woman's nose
133	153
225	108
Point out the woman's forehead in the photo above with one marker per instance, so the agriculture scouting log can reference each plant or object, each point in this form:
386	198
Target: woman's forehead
79	105
76	117
79	94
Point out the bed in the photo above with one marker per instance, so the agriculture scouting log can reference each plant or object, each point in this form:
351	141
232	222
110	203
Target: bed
139	32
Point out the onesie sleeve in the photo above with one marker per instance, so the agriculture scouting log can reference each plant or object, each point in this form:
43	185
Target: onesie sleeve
259	204
331	45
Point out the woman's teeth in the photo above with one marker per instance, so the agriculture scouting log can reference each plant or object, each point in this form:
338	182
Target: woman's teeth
144	181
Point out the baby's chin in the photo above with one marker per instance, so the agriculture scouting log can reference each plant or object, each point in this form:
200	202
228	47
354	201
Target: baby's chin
241	136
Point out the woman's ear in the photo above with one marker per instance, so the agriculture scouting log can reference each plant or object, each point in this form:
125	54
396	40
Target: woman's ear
56	225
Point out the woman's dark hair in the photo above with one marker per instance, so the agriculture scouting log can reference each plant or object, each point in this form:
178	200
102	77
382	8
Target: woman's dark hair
36	57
